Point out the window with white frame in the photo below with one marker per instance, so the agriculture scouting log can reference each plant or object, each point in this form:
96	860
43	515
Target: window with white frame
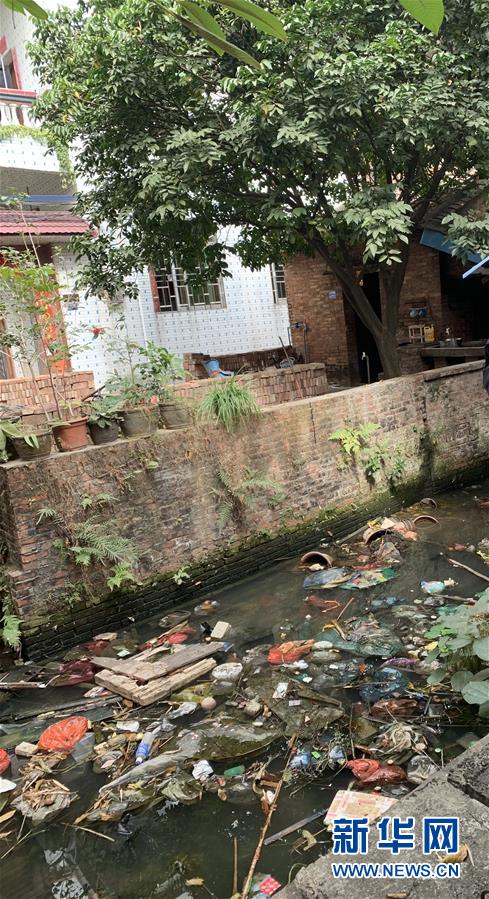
175	292
7	71
278	283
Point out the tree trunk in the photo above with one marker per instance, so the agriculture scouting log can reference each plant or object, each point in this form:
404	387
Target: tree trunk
391	279
389	354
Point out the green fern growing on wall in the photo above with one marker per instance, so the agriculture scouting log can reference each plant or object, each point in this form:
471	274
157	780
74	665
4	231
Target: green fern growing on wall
235	498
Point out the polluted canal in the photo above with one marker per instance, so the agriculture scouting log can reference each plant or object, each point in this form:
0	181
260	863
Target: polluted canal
151	759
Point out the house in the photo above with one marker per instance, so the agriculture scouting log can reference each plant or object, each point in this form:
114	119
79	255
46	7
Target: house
247	311
435	296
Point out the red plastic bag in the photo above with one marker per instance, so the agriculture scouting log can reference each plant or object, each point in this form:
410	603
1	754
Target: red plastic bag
289	652
64	735
369	771
4	761
79	671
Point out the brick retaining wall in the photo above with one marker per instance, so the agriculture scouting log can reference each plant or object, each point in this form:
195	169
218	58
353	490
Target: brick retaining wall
74	385
272	386
168	492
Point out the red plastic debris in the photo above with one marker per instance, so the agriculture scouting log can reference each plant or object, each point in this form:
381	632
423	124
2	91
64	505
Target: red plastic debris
177	637
289	652
369	771
4	761
96	647
325	605
64	735
269	886
79	671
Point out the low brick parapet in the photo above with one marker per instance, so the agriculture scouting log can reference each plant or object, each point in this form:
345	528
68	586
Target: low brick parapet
271	386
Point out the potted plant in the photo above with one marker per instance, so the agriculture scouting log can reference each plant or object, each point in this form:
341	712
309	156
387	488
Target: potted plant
158	372
104	416
36	338
28	444
71	429
139	415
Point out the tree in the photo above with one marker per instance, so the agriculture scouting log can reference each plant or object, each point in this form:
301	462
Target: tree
339	145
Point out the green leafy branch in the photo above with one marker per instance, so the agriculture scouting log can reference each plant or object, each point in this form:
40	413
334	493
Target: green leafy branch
463	651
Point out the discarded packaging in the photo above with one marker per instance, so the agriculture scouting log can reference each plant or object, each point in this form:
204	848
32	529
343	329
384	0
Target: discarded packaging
349	804
327	579
202	770
229	671
221	630
26	750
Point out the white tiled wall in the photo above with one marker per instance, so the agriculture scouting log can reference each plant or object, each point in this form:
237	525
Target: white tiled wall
89	352
16	152
250	319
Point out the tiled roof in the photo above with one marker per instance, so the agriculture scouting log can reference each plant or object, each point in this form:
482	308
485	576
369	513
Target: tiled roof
15	222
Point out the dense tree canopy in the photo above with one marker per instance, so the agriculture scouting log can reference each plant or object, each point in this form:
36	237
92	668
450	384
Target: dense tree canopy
338	145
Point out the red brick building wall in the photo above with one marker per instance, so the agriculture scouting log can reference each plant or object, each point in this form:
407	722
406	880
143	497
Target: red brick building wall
314	296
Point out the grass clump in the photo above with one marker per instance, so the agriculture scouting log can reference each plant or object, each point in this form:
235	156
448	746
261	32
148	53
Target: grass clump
229	404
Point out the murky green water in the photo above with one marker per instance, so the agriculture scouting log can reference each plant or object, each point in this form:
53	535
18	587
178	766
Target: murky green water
152	853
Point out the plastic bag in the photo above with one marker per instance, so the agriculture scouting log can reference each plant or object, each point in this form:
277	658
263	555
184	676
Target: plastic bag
63	736
327	579
432	587
397	742
386	681
362	580
369	771
176	638
419	768
288	652
385	602
4	761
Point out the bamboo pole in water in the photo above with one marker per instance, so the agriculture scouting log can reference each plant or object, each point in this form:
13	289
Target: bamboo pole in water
249	877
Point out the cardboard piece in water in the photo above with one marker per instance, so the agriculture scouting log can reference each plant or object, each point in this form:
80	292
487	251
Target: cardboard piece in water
353	804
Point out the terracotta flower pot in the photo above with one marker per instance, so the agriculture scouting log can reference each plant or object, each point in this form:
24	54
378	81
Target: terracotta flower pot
103	435
140	421
72	435
27	452
174	415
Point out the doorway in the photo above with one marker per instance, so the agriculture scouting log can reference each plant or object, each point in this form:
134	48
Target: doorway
369	364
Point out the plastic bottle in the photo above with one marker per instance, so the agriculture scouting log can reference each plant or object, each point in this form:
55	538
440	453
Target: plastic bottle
144	748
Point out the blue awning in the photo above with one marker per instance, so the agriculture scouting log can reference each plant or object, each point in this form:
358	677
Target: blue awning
439	241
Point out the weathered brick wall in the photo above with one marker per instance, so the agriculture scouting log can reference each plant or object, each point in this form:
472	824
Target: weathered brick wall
254	360
315	297
272	386
74	385
167	492
421	287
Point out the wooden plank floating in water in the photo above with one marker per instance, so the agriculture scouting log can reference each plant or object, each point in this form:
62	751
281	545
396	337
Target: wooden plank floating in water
156	689
142	670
